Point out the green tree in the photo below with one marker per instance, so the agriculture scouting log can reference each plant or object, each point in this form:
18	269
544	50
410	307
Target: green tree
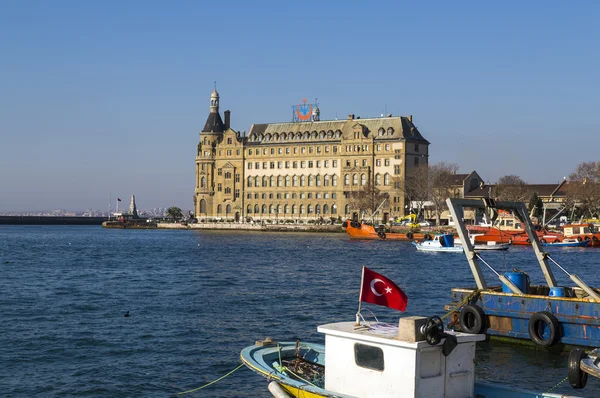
174	213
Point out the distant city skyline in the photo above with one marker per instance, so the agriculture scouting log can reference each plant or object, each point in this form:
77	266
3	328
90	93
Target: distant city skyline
110	97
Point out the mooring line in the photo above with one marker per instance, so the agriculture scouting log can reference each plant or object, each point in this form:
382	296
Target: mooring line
212	382
557	384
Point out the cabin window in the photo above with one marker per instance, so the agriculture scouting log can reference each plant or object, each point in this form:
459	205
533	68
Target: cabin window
509	223
576	231
369	357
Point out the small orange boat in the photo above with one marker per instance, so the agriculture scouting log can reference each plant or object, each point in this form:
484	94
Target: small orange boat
358	230
583	232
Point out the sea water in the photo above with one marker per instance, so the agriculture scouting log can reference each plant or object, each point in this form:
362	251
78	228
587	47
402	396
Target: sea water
196	298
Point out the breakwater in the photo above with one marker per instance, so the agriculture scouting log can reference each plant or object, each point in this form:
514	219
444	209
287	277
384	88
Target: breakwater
50	220
226	226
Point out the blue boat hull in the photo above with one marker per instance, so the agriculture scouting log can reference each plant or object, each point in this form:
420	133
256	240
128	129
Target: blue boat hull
509	315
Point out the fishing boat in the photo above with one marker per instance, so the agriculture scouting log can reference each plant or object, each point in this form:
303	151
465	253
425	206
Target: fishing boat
567	242
360	230
418	358
545	314
485	245
440	243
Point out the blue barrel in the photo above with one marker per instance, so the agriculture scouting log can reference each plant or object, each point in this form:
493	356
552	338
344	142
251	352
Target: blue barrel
520	279
558	291
448	240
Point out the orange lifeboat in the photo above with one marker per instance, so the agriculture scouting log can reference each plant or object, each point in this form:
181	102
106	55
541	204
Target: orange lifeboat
583	232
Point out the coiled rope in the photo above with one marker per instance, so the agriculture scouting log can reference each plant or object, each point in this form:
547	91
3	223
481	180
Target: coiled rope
212	382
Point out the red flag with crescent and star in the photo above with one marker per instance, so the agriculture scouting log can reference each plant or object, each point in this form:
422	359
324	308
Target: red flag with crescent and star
377	289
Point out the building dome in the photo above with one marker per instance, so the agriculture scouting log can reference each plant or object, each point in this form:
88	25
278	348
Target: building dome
215	94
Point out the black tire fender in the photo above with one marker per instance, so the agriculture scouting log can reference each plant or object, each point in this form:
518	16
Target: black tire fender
536	322
472	319
427	237
528	240
577	377
409	235
595	238
345	224
587	238
579	239
382	235
543	240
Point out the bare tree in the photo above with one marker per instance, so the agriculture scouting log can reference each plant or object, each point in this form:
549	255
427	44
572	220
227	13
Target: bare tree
512	188
367	199
416	187
587	194
441	180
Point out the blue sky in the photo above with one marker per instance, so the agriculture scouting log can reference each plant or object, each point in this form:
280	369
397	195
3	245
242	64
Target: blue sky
99	97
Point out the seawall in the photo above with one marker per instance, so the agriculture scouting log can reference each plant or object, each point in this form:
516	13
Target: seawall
50	220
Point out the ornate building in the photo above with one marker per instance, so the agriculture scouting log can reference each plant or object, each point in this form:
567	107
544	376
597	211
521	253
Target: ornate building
303	170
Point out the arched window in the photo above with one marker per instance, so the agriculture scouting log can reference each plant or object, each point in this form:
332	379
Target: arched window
390	131
310	209
279	181
318	180
302	180
347	209
250	182
256	209
287	181
381	131
347	179
363	179
354	179
333	209
301	209
295	181
317	209
202	206
265	181
386	179
311	180
278	209
334	179
286	209
293	209
264	209
249	209
203	182
228	209
325	209
272	181
326	180
257	181
219	209
378	179
271	209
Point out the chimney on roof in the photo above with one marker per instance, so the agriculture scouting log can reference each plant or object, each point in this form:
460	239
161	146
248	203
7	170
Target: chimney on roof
227	118
351	116
389	115
409	117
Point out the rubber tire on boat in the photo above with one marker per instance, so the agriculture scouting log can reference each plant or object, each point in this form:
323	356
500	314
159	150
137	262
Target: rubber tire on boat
381	235
538	227
587	238
528	240
409	235
543	240
427	237
552	324
595	238
472	319
345	224
577	377
579	239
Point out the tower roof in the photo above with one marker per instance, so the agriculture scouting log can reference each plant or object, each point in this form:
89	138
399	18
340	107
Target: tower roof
214	123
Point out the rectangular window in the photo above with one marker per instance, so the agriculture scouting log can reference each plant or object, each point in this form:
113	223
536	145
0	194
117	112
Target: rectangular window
387	147
272	165
326	163
378	162
237	193
220	153
397	169
219	187
237	152
295	164
334	163
249	196
369	357
229	152
295	150
318	164
264	151
287	165
203	166
286	195
279	151
318	149
280	165
364	162
287	151
333	195
219	172
302	164
257	165
302	150
310	164
237	178
325	196
335	149
326	149
272	151
387	162
249	152
310	149
355	162
302	195
348	164
257	151
278	196
264	165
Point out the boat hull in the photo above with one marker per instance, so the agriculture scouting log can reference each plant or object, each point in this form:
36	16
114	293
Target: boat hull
357	230
508	314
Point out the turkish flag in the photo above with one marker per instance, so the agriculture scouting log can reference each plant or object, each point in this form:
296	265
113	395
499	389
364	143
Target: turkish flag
377	289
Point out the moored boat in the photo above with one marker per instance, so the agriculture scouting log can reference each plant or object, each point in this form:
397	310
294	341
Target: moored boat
567	242
547	314
440	243
361	230
417	359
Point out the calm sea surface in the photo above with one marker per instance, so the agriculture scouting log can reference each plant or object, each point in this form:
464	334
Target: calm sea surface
197	298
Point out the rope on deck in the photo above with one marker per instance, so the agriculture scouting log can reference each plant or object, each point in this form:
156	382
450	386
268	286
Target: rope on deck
468	298
212	382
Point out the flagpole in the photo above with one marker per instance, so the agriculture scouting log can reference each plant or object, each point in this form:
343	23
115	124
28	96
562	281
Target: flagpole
117	206
362	278
109	200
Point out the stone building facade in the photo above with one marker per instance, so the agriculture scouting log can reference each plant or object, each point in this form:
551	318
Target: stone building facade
303	171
